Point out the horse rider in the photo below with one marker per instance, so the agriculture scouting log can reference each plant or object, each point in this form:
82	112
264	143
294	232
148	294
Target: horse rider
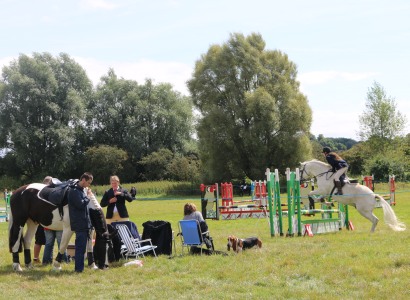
339	167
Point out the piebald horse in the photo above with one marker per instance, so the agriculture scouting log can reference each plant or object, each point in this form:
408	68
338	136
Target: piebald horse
354	194
28	207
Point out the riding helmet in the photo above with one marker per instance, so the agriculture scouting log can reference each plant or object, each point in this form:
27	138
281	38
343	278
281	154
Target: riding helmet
326	150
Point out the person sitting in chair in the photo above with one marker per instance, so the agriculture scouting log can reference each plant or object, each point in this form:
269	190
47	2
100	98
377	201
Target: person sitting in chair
339	167
191	213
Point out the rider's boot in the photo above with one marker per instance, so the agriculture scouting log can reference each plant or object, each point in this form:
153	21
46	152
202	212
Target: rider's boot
339	187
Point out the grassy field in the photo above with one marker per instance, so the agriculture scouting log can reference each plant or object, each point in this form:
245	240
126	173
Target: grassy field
344	265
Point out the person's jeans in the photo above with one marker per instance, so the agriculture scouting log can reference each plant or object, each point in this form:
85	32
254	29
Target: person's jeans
80	247
51	236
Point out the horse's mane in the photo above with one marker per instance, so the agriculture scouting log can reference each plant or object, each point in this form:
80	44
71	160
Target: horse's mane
319	162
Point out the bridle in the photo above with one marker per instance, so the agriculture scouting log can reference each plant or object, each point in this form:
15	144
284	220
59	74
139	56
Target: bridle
303	170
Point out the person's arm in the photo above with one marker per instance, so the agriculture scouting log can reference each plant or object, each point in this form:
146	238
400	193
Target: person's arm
331	160
105	199
77	199
127	196
92	198
199	216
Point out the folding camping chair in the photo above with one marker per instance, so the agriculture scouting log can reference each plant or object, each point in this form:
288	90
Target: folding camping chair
191	235
131	226
133	247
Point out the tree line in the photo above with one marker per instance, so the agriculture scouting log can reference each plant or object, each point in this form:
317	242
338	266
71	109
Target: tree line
53	122
252	115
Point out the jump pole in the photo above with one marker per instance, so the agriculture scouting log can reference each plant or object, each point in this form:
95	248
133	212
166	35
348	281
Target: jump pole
275	210
324	225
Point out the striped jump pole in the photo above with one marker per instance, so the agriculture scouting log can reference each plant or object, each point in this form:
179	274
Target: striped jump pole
275	208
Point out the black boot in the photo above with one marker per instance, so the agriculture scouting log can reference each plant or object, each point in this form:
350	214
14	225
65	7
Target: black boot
339	188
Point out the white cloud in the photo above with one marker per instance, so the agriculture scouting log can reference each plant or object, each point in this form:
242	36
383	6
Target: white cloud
5	61
321	77
333	123
98	4
171	72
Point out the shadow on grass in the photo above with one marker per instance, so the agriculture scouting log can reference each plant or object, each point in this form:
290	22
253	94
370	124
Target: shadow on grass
39	272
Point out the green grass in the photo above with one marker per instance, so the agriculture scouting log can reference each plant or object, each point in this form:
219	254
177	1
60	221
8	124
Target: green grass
343	265
157	189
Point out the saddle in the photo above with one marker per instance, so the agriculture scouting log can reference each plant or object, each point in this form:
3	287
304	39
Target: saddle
56	193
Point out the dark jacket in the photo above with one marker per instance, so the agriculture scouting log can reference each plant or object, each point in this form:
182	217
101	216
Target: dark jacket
160	233
77	206
336	164
122	209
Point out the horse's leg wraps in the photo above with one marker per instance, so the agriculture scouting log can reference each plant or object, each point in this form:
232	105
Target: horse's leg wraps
16	258
59	257
90	258
27	256
311	203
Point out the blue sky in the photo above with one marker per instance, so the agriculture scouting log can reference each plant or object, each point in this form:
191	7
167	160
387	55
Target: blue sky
340	47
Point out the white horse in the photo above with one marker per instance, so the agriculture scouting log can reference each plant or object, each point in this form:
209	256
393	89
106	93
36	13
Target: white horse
354	194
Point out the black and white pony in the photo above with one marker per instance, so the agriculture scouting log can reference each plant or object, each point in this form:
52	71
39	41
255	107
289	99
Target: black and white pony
31	204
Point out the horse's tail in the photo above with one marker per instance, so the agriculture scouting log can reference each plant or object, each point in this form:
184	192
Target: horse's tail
389	216
10	220
10	231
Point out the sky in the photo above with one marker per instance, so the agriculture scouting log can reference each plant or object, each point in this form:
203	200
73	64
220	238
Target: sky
341	48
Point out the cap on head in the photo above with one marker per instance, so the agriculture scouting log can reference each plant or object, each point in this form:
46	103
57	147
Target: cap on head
326	150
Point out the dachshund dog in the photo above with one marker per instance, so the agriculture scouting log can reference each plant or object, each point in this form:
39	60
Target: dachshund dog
240	244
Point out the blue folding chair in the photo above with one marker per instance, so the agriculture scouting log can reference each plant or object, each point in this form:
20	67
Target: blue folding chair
191	235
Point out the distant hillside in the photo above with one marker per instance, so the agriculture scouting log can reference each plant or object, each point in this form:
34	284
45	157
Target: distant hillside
335	143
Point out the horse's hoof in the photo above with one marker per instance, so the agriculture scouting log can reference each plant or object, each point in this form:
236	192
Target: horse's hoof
17	267
93	267
29	266
57	269
56	266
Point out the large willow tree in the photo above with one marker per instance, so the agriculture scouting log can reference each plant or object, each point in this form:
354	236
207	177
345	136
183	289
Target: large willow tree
42	110
253	115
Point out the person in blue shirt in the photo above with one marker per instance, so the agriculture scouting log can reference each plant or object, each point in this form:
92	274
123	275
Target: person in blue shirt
79	217
339	167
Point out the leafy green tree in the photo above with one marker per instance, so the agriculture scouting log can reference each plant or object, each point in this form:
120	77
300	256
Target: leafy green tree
104	161
381	120
253	115
140	119
382	166
356	158
42	104
9	166
156	164
112	111
184	168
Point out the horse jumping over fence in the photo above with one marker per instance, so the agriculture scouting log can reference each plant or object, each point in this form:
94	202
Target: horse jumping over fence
28	206
356	195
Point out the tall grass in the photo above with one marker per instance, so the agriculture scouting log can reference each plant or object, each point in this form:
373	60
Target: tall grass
157	189
343	265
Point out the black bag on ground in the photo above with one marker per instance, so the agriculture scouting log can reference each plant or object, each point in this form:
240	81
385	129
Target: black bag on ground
114	253
160	233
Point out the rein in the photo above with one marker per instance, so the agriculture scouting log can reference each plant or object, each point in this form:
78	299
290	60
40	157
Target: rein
314	176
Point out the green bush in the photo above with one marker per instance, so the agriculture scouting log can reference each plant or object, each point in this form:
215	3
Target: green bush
9	183
383	166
